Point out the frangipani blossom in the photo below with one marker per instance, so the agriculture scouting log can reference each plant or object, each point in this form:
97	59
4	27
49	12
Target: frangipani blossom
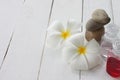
58	34
80	54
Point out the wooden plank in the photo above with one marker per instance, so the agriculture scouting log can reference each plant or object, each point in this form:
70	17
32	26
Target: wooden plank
116	11
23	58
9	14
98	73
52	66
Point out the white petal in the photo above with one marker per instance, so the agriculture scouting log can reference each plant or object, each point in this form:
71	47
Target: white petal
93	60
54	39
77	40
74	27
79	63
56	26
93	47
69	52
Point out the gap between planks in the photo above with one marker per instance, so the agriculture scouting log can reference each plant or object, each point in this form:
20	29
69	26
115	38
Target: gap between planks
81	28
39	70
111	5
6	52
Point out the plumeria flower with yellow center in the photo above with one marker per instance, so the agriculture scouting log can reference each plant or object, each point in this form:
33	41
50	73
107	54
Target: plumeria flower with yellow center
80	54
58	34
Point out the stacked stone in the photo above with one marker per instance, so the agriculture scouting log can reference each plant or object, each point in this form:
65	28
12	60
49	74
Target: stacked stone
95	26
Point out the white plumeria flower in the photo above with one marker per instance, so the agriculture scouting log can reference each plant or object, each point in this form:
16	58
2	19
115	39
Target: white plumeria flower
80	54
58	34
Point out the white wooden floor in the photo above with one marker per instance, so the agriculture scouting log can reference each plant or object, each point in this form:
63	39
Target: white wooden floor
23	24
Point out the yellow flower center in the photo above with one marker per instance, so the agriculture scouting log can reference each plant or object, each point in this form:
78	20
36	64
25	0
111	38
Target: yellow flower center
65	34
82	50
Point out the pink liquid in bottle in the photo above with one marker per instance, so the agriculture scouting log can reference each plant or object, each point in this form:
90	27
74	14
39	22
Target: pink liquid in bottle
111	44
113	67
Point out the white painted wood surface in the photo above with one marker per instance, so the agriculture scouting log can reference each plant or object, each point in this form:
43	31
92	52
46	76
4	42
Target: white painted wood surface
23	58
28	58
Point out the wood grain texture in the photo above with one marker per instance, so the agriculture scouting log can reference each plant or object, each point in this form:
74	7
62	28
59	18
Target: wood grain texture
23	57
52	66
98	73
